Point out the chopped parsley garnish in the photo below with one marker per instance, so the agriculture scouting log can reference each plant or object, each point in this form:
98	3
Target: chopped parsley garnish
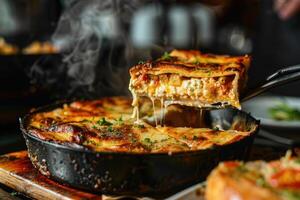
119	120
166	56
41	126
147	140
139	126
133	140
91	142
215	128
111	132
94	127
184	137
103	122
148	143
195	137
110	129
15	193
196	62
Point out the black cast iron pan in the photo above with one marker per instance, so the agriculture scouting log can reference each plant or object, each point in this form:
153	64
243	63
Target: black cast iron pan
155	175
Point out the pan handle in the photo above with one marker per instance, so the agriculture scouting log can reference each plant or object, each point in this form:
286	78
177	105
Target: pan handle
280	77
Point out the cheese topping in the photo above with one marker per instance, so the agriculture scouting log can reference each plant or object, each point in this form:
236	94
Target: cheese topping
106	125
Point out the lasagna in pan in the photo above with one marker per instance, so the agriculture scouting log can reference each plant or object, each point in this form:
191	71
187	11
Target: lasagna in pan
106	125
190	78
259	180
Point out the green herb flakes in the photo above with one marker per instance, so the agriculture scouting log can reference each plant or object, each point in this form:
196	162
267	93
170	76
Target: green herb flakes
103	122
110	129
195	137
139	126
147	140
166	56
215	128
119	120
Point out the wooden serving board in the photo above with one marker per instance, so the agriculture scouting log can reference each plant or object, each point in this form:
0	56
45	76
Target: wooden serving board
17	172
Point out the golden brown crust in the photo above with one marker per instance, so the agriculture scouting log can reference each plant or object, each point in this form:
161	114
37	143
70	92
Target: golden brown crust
194	64
192	56
184	69
106	125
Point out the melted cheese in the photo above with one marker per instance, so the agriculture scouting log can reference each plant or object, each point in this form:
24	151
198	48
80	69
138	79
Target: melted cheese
106	125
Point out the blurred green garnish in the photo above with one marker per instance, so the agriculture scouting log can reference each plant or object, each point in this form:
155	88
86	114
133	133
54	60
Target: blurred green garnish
166	56
103	122
284	112
290	195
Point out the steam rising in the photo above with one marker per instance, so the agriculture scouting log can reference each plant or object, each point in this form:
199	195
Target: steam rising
93	36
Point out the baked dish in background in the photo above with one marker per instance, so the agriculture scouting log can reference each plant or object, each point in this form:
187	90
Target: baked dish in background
259	180
40	48
190	78
35	47
6	48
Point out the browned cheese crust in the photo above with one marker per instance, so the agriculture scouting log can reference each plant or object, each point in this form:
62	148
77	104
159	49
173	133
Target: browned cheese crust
106	125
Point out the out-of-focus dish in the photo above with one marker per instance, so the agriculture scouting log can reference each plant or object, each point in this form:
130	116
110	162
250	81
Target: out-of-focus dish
260	180
40	48
34	48
6	48
266	108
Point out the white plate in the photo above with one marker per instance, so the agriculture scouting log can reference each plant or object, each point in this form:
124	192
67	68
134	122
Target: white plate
195	192
259	106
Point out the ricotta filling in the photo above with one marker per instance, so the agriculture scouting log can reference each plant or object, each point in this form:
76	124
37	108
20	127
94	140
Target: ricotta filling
195	92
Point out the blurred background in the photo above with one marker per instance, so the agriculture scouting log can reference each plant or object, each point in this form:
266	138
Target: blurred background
73	49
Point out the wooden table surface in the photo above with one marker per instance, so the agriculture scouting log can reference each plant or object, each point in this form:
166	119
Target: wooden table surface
17	172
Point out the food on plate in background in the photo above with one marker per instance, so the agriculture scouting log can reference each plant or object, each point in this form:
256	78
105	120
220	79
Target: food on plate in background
6	48
283	111
40	48
276	180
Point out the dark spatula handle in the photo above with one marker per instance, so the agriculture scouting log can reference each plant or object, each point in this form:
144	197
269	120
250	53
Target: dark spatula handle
280	77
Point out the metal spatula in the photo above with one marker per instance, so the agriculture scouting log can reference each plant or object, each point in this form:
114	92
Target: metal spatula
280	77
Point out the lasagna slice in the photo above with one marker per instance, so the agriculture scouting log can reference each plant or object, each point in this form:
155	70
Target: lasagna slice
190	78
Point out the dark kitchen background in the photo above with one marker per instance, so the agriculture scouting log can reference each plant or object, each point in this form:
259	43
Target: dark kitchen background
65	49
